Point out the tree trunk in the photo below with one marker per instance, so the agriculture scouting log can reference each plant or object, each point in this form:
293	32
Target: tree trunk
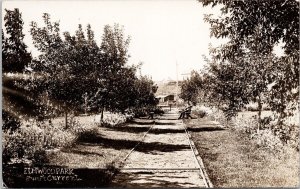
281	116
66	119
259	112
102	109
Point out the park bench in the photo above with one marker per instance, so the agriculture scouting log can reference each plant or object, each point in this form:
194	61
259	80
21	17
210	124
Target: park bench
186	113
151	115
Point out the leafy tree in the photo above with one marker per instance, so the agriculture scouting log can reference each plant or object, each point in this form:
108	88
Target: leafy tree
14	54
278	21
145	90
259	67
4	53
242	78
17	100
283	95
114	55
225	86
76	74
68	67
256	27
190	88
120	89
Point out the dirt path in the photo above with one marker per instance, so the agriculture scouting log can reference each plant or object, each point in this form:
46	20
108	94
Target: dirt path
163	159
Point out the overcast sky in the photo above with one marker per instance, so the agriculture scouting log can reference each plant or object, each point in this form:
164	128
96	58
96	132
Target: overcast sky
162	32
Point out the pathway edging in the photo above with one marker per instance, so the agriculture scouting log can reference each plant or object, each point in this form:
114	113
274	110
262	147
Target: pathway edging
199	160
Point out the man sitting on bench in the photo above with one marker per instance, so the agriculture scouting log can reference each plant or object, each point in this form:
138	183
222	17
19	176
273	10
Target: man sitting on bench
182	114
186	113
151	114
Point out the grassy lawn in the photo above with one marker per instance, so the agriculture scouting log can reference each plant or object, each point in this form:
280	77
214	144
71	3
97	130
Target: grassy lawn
234	160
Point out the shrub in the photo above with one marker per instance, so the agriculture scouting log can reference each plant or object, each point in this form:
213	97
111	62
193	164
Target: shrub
219	116
129	116
266	138
77	128
40	157
266	108
31	140
139	112
252	108
201	111
266	121
13	146
289	134
245	125
113	120
158	111
87	134
271	135
10	122
18	147
294	137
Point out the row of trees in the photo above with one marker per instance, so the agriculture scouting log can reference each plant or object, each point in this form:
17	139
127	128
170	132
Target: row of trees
245	69
75	74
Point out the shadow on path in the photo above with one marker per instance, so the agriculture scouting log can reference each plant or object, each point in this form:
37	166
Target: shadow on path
130	129
119	144
133	129
163	118
165	131
161	147
162	123
150	122
203	129
144	122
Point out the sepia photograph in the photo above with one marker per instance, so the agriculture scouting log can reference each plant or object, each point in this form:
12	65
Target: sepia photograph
150	93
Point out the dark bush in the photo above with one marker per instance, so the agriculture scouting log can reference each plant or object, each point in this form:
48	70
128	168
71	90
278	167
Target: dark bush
13	148
266	108
10	122
287	133
252	108
158	111
139	112
87	135
266	121
200	113
40	157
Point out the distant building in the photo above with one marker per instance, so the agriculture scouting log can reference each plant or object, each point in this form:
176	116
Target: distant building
165	98
167	92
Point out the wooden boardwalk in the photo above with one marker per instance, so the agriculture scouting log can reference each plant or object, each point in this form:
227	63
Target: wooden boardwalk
165	158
